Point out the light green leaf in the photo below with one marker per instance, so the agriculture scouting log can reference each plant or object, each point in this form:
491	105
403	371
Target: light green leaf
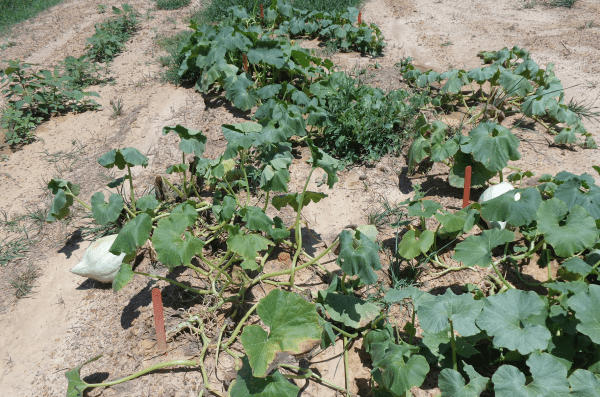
60	206
576	265
293	327
571	193
585	305
516	207
452	384
133	235
513	320
76	385
423	208
171	248
275	385
361	260
584	384
567	234
419	150
106	212
461	309
348	309
147	203
477	250
412	245
548	373
247	246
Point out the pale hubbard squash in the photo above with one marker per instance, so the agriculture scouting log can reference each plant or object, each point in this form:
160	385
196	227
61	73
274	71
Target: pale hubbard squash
98	263
493	192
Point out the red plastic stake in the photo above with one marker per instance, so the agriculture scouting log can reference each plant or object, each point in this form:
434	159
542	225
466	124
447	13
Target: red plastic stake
467	191
262	12
159	321
359	17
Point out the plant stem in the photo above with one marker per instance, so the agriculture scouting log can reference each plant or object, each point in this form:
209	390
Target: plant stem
240	325
173	187
309	374
196	291
297	228
130	177
453	345
144	371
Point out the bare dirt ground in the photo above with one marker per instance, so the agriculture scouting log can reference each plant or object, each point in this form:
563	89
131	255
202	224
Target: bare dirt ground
68	320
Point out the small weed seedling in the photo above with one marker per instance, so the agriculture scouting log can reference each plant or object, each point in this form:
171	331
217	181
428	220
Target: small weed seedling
116	106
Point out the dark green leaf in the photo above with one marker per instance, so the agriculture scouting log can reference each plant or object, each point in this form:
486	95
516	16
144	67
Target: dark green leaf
293	200
171	248
76	385
133	235
123	277
492	145
452	384
361	260
516	207
192	141
477	250
461	309
274	385
567	234
585	305
348	309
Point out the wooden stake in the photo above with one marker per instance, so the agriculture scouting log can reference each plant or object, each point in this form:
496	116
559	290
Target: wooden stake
359	17
262	12
159	321
467	190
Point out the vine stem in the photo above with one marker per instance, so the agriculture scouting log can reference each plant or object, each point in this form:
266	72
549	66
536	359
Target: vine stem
145	371
309	374
237	329
197	291
346	368
453	345
131	186
298	230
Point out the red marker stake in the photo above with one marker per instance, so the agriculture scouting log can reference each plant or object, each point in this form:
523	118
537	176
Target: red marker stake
262	12
359	17
159	321
467	191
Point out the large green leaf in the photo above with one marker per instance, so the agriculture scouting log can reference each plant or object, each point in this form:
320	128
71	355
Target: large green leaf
567	234
349	309
174	246
585	305
293	200
133	235
192	141
122	158
106	212
516	207
461	309
571	192
584	384
477	250
396	368
452	384
247	385
548	373
423	208
455	224
419	150
361	260
60	206
293	327
492	145
247	246
275	175
76	386
225	208
515	320
415	243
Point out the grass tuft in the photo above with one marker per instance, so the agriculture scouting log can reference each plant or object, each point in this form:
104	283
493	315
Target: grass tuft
23	283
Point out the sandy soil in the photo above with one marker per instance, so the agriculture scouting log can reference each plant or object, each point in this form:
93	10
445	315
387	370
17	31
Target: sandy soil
68	320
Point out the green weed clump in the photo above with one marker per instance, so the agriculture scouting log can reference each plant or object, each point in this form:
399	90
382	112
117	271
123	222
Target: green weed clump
171	4
111	35
365	122
13	12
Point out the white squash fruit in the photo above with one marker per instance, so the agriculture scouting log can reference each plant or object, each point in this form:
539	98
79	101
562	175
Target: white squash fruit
98	263
493	192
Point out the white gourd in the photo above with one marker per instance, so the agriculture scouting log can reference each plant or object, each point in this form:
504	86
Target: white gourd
493	192
98	263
